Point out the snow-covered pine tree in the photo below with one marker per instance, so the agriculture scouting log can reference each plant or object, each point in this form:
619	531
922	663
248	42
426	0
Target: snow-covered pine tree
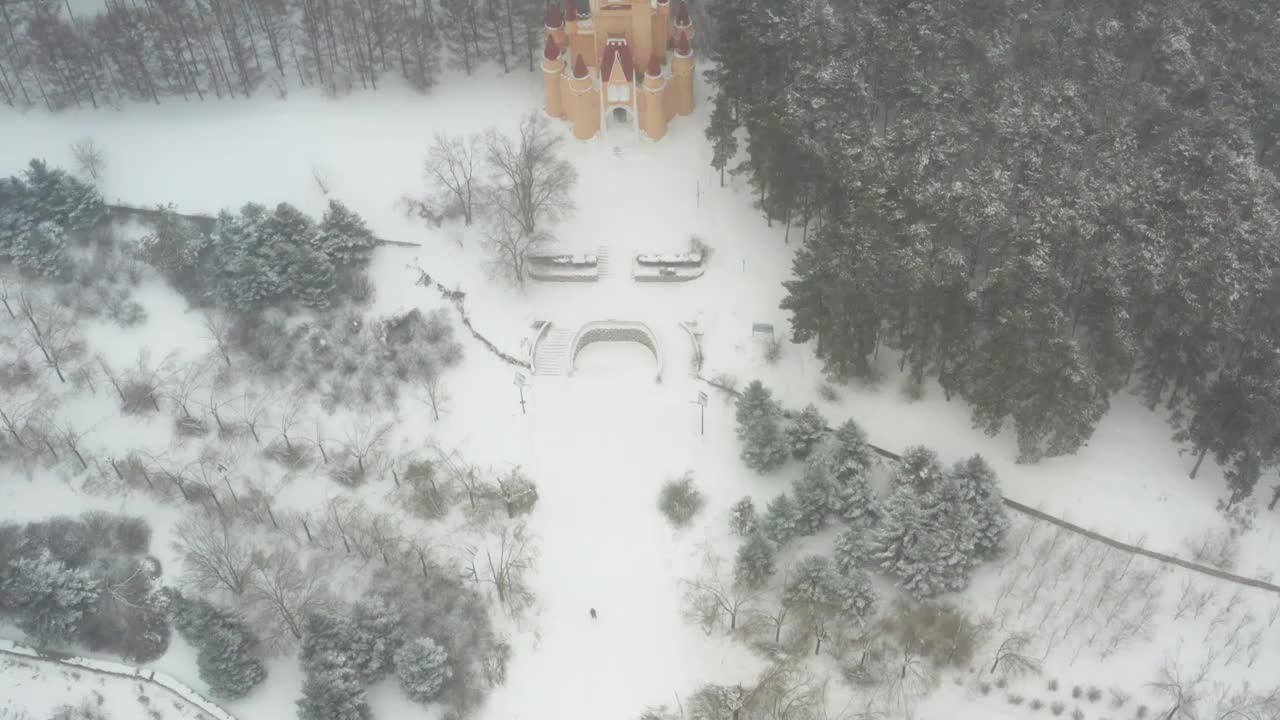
423	668
764	447
852	550
301	269
243	275
42	250
855	596
334	658
49	598
754	563
848	460
58	196
814	495
722	133
926	541
344	238
848	454
226	648
981	491
376	624
807	431
742	517
781	520
333	692
918	470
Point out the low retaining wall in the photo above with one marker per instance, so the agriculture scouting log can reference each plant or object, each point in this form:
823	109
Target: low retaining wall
615	331
106	667
458	298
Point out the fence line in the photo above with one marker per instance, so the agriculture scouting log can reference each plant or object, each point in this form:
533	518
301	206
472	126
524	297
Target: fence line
1069	526
115	669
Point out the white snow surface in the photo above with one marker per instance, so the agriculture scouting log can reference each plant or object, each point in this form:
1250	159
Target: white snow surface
599	444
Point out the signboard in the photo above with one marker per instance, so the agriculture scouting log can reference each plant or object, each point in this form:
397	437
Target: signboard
520	380
762	329
702	398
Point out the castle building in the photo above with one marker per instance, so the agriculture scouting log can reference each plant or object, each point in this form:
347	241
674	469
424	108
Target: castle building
618	63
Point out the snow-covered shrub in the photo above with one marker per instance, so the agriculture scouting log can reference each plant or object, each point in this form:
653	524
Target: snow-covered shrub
772	349
764	446
86	710
807	430
426	495
753	566
781	522
422	667
743	520
1036	704
226	648
828	392
520	495
679	500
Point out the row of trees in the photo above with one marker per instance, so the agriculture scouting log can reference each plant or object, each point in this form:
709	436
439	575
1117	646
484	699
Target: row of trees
1039	205
929	533
200	48
259	258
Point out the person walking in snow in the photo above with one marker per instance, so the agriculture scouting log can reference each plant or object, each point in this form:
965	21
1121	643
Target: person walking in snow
593	613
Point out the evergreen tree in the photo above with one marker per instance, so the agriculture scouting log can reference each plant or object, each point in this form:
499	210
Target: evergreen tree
376	627
722	133
344	238
763	444
337	661
290	242
984	503
848	455
754	563
918	470
814	499
781	521
333	692
742	517
226	648
423	668
926	541
59	197
806	432
852	550
855	597
51	599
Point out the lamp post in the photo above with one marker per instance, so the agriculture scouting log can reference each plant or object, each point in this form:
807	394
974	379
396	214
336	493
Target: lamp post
520	382
702	412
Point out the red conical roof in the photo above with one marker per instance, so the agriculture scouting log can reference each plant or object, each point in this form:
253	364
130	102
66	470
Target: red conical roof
682	43
655	67
554	19
682	14
570	11
551	51
580	68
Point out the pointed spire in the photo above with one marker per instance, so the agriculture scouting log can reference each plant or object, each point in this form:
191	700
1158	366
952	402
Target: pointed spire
570	11
580	68
552	51
554	18
682	44
682	14
655	67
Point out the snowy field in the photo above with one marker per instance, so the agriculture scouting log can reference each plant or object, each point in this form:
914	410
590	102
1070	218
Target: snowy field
600	443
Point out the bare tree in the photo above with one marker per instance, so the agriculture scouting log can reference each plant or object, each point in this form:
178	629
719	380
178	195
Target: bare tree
21	415
253	410
504	566
531	183
434	395
185	384
50	330
451	166
283	592
714	595
219	406
218	328
140	387
89	158
1181	687
1012	653
5	296
215	554
510	247
364	438
72	437
321	177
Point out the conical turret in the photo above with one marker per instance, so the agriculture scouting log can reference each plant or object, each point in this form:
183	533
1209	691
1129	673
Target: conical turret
552	70
681	85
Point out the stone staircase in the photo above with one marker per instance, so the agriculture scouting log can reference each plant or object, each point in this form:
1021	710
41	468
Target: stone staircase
551	357
604	269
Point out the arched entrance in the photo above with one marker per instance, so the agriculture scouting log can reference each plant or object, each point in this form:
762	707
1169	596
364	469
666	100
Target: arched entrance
620	117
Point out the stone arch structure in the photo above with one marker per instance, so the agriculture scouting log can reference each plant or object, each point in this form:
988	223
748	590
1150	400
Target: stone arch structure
616	331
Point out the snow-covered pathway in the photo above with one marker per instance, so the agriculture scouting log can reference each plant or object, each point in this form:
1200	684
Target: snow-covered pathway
603	442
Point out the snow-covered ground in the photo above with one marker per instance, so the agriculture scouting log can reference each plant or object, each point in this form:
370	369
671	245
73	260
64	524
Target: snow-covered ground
600	443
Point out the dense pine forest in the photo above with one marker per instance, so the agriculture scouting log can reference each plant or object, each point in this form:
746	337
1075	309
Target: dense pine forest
146	50
1039	203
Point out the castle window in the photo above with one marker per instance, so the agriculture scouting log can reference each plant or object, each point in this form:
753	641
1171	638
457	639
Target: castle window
619	93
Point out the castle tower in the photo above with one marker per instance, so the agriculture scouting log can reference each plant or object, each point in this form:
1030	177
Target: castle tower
581	33
552	70
555	26
652	101
683	23
583	101
662	28
681	85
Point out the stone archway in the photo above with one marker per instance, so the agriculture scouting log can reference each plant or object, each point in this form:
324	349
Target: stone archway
615	331
620	117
